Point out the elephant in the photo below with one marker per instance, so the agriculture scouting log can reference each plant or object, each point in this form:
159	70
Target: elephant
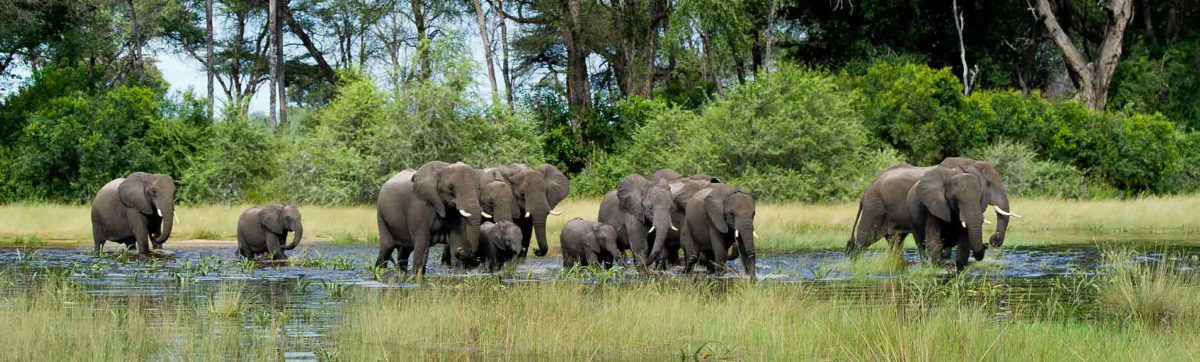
947	205
666	254
589	243
497	200
717	218
536	192
264	229
136	210
412	212
499	243
636	209
882	209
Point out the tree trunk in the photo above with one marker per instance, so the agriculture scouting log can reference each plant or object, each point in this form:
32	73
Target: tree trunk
293	25
771	8
424	61
578	89
1091	78
487	52
208	57
272	61
504	66
281	82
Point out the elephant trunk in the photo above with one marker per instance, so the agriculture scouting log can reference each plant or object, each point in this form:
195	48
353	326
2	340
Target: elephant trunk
538	209
168	223
1001	220
502	210
661	221
745	231
298	231
468	204
974	221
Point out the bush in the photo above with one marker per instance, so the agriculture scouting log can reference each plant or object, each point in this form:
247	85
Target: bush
236	167
918	110
1028	177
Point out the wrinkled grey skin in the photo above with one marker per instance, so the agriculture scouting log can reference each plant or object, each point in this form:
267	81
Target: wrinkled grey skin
949	203
536	192
717	218
497	200
264	230
415	208
666	254
638	209
136	210
883	211
589	243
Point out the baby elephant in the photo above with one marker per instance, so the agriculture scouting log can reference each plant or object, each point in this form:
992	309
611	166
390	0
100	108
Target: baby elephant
500	242
589	243
264	229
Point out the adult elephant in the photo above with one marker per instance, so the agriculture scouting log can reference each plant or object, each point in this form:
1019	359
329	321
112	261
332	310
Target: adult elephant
536	192
666	254
946	205
439	199
136	210
637	209
264	229
883	211
717	218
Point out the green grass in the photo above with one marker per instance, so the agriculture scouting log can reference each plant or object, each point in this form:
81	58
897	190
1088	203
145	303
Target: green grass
787	226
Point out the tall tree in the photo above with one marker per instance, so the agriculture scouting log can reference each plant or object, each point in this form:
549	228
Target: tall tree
487	51
504	64
208	55
272	15
1092	78
281	82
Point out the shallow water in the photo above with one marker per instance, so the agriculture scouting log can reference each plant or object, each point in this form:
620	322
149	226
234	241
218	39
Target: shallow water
309	288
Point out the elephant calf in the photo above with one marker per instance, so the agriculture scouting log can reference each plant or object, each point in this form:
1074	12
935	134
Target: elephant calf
589	243
501	242
263	230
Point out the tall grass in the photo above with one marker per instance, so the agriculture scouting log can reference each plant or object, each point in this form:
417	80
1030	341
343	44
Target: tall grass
1150	294
786	226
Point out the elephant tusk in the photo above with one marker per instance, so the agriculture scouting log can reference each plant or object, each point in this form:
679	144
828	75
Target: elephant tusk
464	213
159	212
674	228
651	230
736	234
1006	213
527	214
555	212
485	214
986	221
755	233
964	223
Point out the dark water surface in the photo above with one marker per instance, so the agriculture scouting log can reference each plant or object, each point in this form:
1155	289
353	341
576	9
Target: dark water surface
308	286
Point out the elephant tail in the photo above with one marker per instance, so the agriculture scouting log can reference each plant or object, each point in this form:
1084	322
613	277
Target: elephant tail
854	229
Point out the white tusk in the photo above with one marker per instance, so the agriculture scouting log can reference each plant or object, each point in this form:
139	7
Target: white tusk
736	234
159	212
555	212
986	221
651	230
674	228
485	214
464	213
755	233
1006	213
527	214
176	217
964	224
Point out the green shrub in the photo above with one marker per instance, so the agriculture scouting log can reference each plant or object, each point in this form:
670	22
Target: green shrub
918	110
237	165
1027	176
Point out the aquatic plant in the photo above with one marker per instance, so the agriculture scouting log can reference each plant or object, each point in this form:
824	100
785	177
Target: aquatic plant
227	301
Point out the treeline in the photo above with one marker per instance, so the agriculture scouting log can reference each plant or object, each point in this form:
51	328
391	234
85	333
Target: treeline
797	100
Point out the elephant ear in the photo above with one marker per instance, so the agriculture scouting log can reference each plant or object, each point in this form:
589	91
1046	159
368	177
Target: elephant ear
558	186
629	194
714	204
271	217
425	183
932	193
133	192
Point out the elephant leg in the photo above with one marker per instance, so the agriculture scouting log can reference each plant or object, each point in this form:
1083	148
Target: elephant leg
868	230
97	237
273	248
526	225
141	234
387	244
932	240
446	254
962	256
720	251
421	241
402	259
673	255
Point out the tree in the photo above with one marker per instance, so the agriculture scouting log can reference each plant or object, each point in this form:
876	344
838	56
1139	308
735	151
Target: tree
1092	78
208	55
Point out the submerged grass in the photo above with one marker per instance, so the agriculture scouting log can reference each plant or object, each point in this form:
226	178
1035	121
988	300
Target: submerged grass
787	226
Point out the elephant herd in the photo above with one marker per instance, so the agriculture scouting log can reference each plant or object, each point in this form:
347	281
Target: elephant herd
489	216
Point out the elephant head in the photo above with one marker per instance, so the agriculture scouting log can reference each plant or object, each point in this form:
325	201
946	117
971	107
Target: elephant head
497	198
996	191
280	219
151	195
649	203
537	191
606	241
504	236
730	207
956	196
453	186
